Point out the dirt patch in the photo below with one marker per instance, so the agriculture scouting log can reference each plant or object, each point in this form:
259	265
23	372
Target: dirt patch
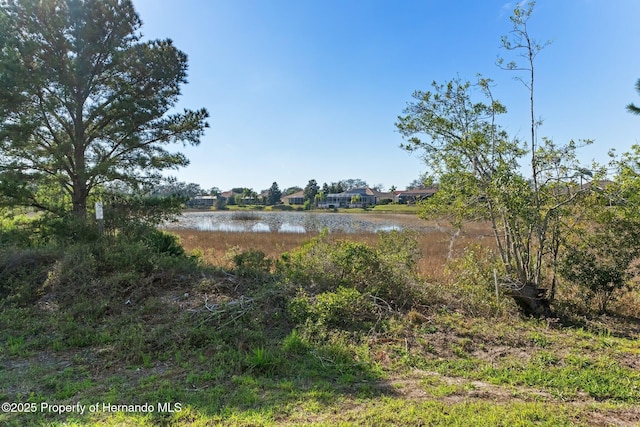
421	385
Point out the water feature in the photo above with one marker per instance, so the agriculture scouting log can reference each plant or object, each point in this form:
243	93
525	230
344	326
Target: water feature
295	222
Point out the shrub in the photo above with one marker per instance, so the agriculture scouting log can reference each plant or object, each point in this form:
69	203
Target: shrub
294	344
16	231
282	208
92	275
344	308
22	273
600	261
252	263
157	241
87	278
306	265
400	248
65	230
471	288
386	271
349	285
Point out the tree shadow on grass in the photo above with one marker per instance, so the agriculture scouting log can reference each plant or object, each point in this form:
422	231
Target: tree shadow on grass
612	324
273	385
254	385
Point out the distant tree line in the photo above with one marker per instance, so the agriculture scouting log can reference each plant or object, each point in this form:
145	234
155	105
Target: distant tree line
312	192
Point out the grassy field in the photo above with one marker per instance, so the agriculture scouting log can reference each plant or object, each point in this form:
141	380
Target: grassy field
222	347
436	247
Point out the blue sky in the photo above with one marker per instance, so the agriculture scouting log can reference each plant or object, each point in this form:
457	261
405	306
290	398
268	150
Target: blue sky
311	89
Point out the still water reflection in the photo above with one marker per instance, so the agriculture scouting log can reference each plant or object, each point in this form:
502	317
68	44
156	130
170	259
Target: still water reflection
290	222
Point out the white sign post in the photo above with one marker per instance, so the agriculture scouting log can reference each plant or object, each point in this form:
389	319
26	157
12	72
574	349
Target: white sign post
99	216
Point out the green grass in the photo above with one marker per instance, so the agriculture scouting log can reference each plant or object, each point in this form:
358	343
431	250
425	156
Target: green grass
245	374
204	346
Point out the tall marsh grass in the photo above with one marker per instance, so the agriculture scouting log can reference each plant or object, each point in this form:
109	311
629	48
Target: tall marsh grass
436	246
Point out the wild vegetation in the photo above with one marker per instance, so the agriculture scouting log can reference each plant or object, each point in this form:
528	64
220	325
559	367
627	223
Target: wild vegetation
540	218
318	330
85	104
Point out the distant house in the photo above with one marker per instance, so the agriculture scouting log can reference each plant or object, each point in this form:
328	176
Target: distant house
354	198
201	202
384	197
263	197
293	199
413	196
600	185
361	198
229	195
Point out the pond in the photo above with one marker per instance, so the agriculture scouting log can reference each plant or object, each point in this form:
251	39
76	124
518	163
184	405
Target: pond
296	222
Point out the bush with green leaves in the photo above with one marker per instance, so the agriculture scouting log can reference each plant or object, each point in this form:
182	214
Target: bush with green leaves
22	273
158	241
344	308
252	263
401	249
123	211
599	259
114	268
471	288
386	271
132	217
351	285
16	229
66	230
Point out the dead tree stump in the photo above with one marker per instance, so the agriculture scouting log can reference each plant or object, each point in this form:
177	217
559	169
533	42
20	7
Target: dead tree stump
531	299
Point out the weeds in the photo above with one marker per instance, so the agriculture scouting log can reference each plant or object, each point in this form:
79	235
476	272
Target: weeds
384	272
252	263
294	344
262	361
333	332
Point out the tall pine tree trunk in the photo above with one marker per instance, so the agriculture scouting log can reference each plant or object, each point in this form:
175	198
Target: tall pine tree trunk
79	199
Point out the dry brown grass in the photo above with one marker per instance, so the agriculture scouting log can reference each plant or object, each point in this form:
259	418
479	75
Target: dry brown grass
435	245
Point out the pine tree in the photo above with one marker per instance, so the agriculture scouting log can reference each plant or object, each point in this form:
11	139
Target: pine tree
84	102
